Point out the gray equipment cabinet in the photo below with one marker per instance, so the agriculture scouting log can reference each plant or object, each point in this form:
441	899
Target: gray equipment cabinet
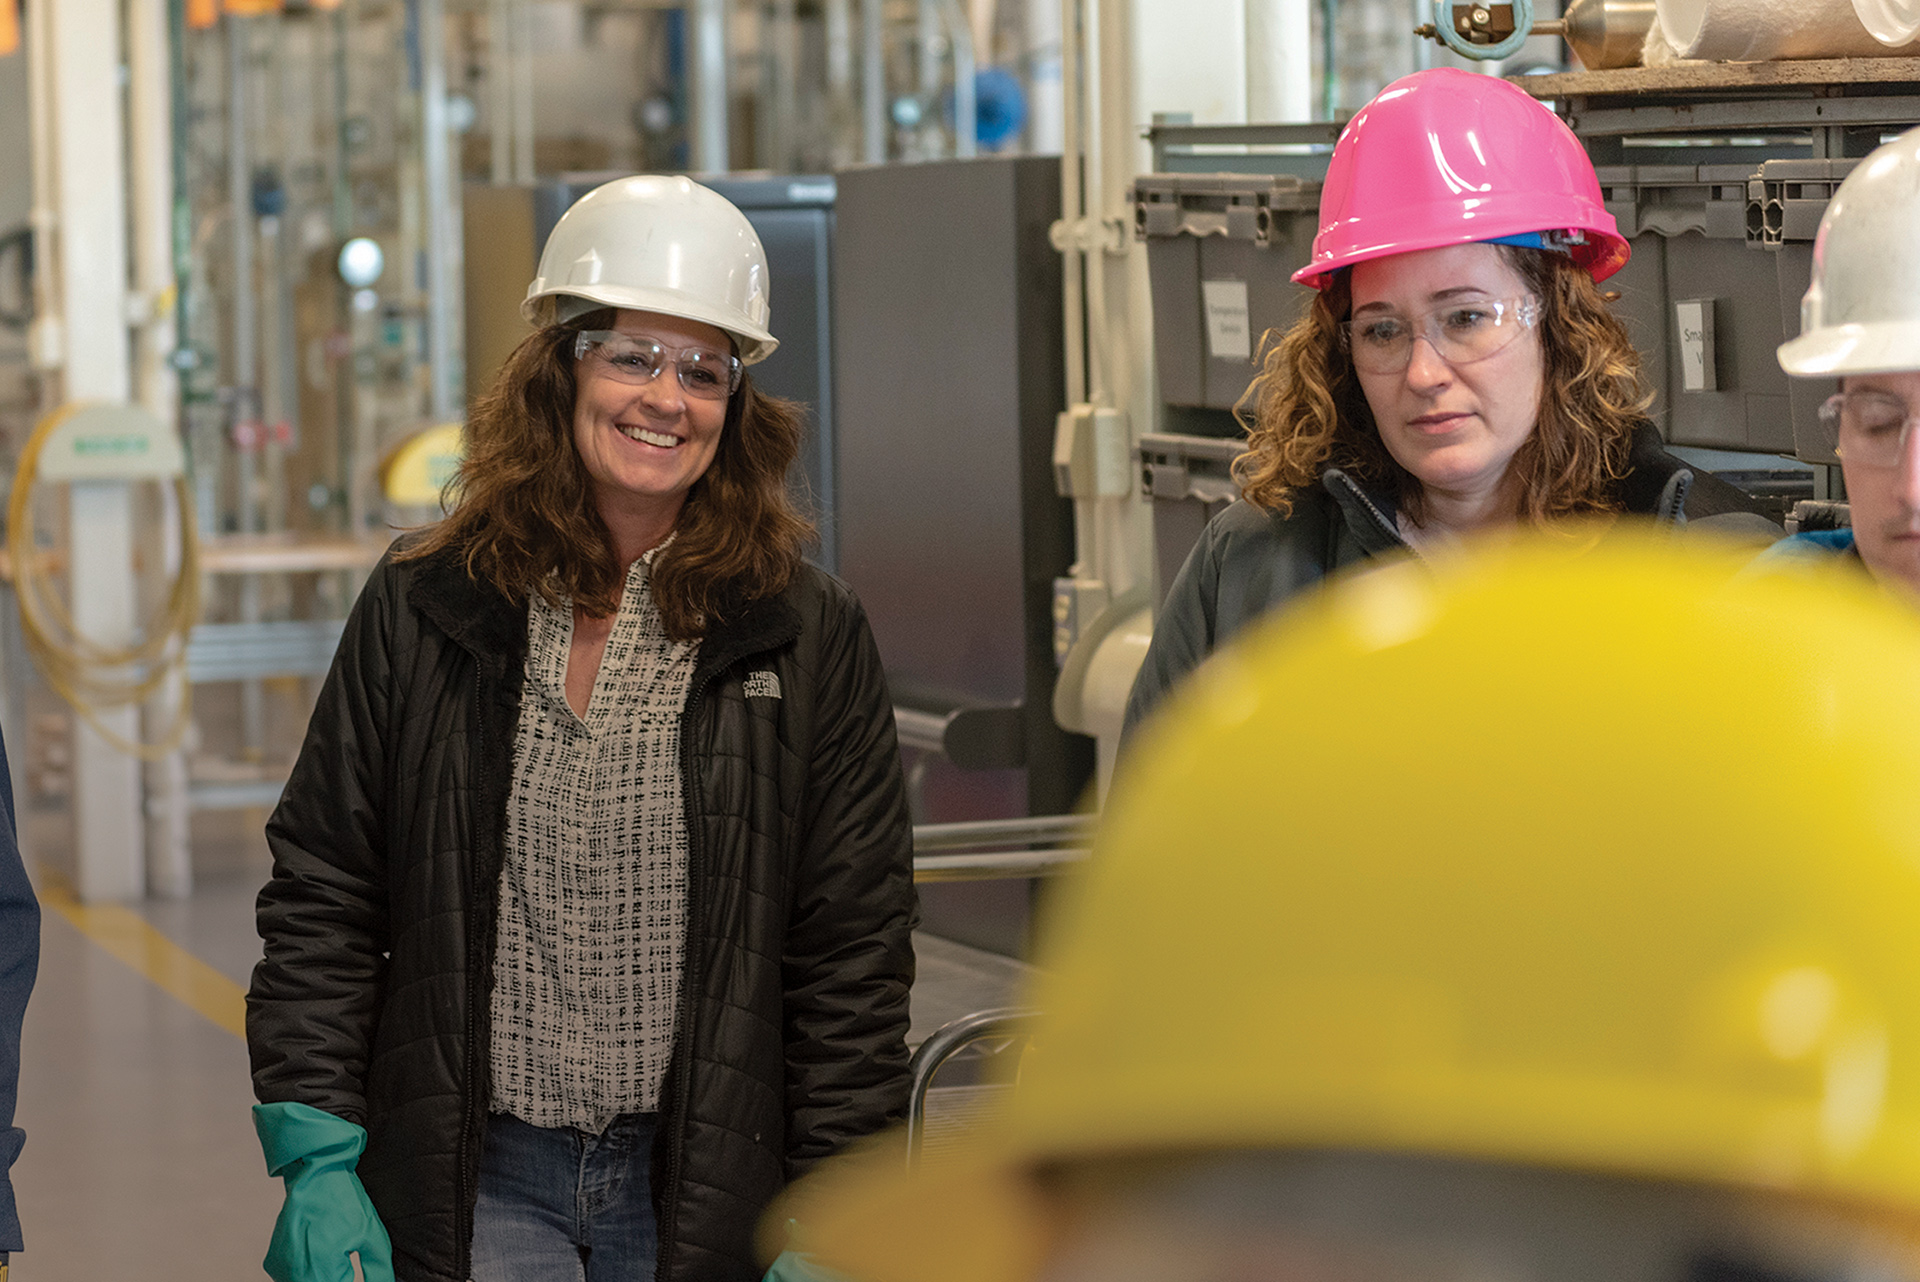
949	353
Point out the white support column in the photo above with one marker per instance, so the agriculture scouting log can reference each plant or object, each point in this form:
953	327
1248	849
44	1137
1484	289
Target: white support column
1046	112
710	125
1279	61
150	159
90	262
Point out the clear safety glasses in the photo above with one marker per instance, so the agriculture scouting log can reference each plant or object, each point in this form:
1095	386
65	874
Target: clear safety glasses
1867	427
704	375
1461	333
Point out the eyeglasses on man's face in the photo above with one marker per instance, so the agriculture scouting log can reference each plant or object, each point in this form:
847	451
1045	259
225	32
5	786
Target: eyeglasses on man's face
1460	333
1867	427
631	358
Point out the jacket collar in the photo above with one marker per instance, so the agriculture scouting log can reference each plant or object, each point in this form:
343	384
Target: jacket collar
486	624
474	614
1656	482
1370	516
750	627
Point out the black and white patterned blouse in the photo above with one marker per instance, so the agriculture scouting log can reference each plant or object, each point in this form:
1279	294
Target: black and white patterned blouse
593	892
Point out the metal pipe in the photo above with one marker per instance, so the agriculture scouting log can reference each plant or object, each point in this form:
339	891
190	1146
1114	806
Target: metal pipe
243	368
839	22
873	82
710	152
48	339
523	126
927	52
784	44
1093	196
500	115
966	112
1073	144
443	229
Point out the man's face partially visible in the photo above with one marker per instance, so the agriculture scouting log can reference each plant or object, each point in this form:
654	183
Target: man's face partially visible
1886	498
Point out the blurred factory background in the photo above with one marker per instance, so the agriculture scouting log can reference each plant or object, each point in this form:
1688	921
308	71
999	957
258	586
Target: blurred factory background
260	255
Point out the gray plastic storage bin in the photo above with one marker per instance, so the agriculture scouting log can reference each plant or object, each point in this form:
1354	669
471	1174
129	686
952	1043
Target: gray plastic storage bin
1697	281
1220	251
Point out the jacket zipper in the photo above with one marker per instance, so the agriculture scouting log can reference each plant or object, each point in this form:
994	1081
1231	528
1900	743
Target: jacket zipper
689	982
1388	528
468	1190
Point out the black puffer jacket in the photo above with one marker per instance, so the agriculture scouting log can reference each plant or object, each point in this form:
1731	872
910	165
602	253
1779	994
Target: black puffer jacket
372	1000
1249	560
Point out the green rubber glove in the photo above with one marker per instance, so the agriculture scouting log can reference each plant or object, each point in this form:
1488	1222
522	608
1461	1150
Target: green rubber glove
798	1266
327	1214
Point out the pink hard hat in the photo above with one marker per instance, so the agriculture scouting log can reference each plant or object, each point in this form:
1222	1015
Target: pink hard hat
1448	157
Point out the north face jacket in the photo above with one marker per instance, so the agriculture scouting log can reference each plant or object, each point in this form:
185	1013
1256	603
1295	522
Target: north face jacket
372	1000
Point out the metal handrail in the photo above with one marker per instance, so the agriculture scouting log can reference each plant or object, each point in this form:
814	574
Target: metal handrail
996	865
986	834
1001	849
948	1040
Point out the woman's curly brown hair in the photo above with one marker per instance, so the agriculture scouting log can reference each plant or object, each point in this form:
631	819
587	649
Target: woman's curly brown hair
524	519
1309	411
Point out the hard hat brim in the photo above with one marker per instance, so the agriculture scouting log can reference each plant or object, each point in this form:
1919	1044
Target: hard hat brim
963	1217
1878	348
755	342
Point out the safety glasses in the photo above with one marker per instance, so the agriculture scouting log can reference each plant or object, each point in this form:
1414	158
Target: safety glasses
1461	333
1866	427
703	374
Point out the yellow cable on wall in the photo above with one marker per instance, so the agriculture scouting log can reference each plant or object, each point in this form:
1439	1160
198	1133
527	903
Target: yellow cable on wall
104	442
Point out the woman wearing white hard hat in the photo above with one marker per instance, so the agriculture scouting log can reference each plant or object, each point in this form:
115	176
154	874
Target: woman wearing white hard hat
590	919
1458	370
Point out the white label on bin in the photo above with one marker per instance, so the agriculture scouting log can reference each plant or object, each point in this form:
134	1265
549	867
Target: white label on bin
1229	333
1693	322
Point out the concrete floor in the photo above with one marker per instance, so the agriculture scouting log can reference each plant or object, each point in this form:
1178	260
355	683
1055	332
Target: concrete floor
140	1160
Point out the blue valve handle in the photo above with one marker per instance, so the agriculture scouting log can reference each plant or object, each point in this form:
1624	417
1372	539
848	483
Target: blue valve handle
1447	15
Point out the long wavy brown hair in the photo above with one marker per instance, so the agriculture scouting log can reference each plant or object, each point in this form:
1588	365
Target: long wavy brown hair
1309	411
523	517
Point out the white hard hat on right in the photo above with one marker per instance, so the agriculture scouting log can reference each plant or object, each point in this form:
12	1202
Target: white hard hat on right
1861	315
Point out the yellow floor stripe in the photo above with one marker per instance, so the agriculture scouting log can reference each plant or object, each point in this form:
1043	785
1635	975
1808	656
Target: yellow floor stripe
125	935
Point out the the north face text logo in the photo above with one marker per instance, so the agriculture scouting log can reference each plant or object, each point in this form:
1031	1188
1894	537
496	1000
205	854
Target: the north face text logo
762	685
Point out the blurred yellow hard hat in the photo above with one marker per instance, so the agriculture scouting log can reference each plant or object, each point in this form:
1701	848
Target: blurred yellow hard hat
1604	861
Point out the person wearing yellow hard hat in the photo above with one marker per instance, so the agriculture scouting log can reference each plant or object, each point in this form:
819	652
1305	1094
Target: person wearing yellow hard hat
1493	1008
1459	369
1860	319
592	899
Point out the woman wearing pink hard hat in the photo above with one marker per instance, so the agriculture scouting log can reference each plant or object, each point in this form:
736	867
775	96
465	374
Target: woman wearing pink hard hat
1458	370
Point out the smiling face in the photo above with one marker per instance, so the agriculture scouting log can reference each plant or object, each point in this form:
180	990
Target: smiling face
645	445
1454	428
1885	501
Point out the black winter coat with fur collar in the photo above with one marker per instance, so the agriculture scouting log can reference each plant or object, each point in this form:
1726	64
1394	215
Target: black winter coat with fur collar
372	1000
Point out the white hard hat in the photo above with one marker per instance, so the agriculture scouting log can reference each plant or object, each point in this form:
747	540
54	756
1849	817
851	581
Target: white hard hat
654	244
1861	315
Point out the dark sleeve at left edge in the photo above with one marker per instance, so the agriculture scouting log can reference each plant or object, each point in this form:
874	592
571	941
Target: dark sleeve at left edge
19	962
848	965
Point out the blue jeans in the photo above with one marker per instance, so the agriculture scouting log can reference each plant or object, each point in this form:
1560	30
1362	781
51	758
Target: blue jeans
561	1205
